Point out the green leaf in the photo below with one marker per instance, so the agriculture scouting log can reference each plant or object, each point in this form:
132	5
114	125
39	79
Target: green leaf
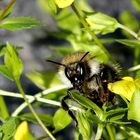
137	75
116	118
130	43
46	118
84	5
1	135
101	23
119	122
63	50
3	109
5	72
92	117
13	62
133	112
18	23
84	126
2	49
61	119
68	21
8	128
115	112
48	5
87	103
137	82
44	80
136	4
95	51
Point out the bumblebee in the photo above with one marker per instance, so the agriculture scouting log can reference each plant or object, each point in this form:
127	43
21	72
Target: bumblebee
82	72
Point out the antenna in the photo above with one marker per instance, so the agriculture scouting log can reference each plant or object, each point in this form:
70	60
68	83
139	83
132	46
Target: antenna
56	63
84	56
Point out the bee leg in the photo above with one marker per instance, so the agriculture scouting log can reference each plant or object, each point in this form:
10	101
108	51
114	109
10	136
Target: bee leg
66	108
101	90
103	95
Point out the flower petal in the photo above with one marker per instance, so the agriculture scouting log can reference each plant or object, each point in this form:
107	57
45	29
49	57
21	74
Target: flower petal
23	133
124	87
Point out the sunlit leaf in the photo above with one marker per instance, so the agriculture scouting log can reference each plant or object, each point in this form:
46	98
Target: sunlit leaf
63	3
137	71
61	119
68	21
101	23
84	5
116	118
3	109
64	50
137	82
84	126
92	117
8	128
116	113
1	135
18	23
2	49
5	72
44	80
23	133
94	50
13	62
87	103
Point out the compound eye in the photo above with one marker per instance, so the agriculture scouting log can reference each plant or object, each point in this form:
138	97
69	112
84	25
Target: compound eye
68	72
80	69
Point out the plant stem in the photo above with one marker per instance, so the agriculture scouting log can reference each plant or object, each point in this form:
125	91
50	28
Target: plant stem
38	98
85	24
129	31
2	15
137	56
99	132
30	98
33	111
110	132
134	68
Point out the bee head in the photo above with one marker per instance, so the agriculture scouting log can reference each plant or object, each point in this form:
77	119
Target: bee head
75	72
72	72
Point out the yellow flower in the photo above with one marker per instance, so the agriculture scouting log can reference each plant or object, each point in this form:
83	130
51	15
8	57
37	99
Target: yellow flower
125	87
22	132
63	3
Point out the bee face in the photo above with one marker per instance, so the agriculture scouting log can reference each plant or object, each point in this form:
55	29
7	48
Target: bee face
78	68
75	72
